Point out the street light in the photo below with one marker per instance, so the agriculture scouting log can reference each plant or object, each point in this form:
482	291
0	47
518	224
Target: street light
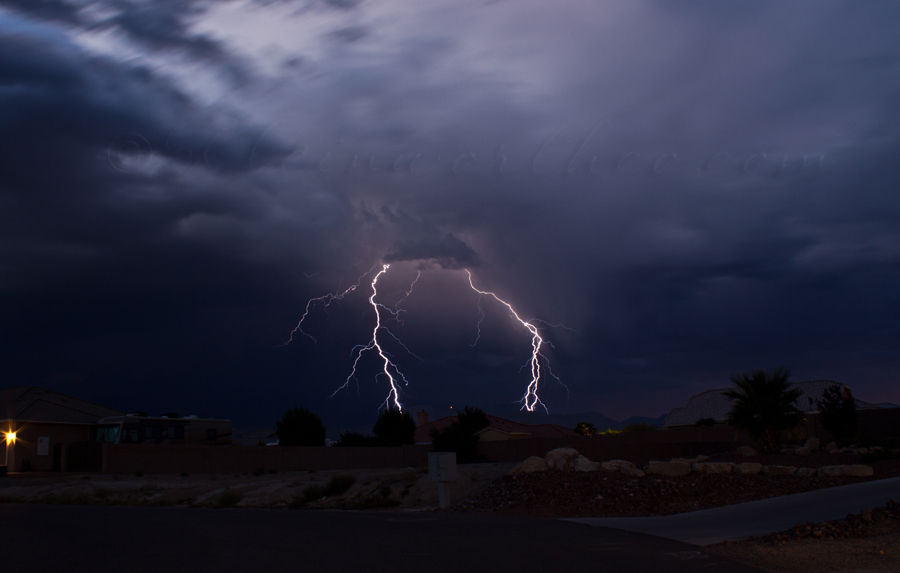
10	440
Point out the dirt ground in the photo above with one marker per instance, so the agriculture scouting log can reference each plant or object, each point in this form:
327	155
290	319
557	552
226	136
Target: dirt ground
880	553
408	488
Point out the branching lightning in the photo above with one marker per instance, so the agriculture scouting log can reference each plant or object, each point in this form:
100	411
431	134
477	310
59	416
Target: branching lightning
530	400
389	369
327	299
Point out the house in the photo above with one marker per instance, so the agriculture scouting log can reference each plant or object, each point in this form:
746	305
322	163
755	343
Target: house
50	431
497	429
715	405
45	429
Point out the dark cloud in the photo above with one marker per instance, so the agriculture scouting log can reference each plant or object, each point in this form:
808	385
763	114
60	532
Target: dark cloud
695	190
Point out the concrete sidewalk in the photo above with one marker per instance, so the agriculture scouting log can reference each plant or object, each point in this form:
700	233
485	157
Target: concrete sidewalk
737	522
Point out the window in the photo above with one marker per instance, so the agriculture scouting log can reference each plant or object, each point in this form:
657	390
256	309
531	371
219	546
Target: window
107	434
130	435
175	432
211	434
152	432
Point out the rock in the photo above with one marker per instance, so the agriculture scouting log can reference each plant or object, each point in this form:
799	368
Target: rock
694	460
862	451
532	464
561	458
806	472
812	443
713	467
779	470
839	451
747	468
788	450
623	467
582	464
804	451
831	446
856	470
668	468
746	451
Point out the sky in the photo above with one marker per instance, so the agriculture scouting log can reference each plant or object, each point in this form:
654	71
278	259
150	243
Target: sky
671	192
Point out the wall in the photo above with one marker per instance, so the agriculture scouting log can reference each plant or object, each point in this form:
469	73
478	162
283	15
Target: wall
634	446
172	459
26	447
881	423
166	459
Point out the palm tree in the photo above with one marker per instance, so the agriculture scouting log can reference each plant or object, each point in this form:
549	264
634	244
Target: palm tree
764	405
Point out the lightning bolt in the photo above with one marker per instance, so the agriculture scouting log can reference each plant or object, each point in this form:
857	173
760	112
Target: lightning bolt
388	369
328	299
530	400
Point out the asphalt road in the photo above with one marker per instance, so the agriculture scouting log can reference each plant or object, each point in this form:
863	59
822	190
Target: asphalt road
64	538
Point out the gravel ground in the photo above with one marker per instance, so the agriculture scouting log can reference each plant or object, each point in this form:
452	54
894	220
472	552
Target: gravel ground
867	541
600	494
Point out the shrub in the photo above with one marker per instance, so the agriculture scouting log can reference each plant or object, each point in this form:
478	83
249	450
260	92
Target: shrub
300	427
139	473
394	428
259	471
229	498
356	439
585	429
763	405
313	492
460	436
338	484
837	412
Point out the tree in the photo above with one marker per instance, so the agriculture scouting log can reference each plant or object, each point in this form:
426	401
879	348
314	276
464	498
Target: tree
300	427
356	439
394	428
764	405
837	412
460	436
585	429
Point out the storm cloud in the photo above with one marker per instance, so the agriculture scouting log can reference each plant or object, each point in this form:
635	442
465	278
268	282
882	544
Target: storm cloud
692	190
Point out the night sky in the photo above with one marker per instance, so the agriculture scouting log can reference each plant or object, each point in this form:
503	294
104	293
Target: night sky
692	188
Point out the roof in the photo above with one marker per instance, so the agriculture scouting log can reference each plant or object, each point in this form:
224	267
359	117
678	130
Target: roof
423	432
714	404
36	404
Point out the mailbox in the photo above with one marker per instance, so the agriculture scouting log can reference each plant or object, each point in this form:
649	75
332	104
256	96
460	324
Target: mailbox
442	466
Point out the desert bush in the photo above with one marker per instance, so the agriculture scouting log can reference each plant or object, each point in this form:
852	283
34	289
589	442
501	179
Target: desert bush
300	427
229	498
338	484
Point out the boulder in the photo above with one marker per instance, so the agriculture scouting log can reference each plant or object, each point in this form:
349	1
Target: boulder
621	466
831	446
746	451
861	451
838	451
582	464
812	443
693	460
804	451
779	470
747	468
668	468
806	472
855	470
532	464
713	467
561	458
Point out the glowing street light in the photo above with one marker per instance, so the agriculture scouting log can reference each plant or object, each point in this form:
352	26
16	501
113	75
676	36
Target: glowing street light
10	440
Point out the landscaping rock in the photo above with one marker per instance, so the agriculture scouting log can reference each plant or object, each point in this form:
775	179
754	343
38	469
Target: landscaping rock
623	467
532	464
804	451
861	451
855	470
746	451
779	470
694	460
747	468
668	468
582	464
831	446
713	467
812	443
561	458
806	472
